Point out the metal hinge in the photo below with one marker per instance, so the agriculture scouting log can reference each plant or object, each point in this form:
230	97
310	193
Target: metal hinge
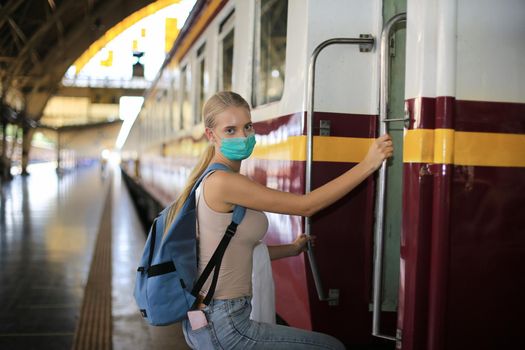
392	44
333	297
366	47
324	127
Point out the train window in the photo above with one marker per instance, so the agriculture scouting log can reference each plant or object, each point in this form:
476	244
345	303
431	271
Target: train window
270	51
226	34
185	106
172	104
227	62
201	92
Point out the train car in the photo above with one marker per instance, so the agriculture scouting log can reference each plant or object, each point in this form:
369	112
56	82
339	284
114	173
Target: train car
429	253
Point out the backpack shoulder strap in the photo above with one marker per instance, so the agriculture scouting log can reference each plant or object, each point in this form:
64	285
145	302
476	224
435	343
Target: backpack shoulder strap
215	261
238	211
189	204
238	214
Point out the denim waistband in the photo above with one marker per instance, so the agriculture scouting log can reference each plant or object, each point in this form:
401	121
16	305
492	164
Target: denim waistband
216	304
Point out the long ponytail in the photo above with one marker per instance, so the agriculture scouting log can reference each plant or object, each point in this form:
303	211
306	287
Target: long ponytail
194	176
215	105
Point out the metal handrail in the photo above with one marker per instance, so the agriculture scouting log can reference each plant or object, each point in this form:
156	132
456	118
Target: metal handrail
381	186
368	41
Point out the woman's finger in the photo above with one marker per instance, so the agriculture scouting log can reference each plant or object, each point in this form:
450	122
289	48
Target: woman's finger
384	137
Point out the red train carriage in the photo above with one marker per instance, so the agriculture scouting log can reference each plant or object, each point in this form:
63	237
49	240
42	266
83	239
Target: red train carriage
427	255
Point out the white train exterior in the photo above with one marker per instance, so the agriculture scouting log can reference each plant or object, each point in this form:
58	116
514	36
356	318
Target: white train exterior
448	224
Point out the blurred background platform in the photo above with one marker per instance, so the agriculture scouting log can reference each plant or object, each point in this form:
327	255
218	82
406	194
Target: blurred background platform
49	227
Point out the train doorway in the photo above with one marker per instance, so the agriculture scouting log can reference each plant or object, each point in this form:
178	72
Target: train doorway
340	127
389	204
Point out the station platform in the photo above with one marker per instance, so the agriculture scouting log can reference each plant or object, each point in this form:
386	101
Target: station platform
69	248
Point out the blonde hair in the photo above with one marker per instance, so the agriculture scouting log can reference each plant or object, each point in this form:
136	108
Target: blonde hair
215	105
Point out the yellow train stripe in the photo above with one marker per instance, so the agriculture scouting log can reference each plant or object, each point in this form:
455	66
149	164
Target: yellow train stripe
446	146
293	148
439	146
340	149
186	147
489	149
444	150
326	149
418	146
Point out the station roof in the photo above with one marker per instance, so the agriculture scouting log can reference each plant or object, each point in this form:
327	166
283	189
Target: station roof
40	40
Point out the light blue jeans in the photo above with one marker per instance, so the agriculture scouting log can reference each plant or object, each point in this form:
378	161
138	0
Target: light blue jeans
229	327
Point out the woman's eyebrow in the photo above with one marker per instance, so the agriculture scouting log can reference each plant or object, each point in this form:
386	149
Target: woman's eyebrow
234	126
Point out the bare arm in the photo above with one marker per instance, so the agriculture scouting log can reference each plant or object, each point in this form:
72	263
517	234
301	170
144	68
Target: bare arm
237	189
295	248
281	251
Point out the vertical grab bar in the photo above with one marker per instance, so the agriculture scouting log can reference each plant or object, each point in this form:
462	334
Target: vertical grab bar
366	43
381	186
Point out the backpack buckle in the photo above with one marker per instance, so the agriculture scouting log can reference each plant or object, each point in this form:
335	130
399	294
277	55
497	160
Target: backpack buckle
230	231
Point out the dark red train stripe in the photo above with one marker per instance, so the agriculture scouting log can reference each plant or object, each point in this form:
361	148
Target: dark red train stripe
462	115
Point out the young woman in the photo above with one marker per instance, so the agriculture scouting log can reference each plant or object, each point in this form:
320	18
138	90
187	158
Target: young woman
230	132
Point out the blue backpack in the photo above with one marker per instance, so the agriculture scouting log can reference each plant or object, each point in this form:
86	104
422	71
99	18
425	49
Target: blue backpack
164	288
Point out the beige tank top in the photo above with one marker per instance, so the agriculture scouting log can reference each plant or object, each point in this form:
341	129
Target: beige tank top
235	275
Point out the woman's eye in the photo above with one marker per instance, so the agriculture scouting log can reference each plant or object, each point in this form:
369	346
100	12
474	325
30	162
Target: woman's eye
248	127
230	131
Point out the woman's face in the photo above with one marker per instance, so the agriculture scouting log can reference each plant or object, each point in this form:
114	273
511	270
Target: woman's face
231	123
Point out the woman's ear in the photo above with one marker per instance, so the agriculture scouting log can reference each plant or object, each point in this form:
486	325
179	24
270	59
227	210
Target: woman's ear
209	135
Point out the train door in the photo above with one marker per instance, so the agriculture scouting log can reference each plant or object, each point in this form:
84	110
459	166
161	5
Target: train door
389	206
343	121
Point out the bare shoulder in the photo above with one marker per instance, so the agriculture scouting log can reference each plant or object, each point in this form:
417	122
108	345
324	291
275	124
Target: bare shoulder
218	184
224	179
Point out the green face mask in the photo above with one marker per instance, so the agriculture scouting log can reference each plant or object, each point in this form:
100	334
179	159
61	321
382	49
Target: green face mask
238	148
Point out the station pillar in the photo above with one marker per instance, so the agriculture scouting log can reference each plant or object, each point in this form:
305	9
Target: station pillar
27	136
5	162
